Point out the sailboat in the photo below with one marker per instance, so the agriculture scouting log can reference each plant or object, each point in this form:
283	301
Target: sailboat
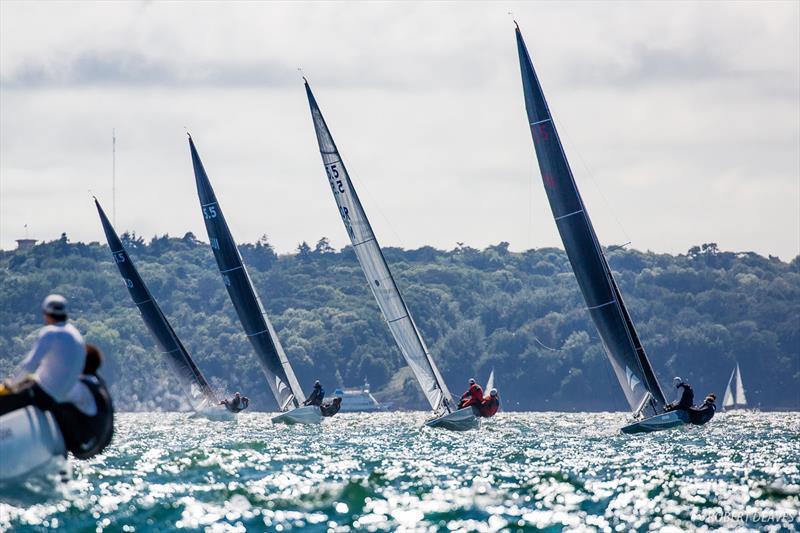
597	284
734	392
373	263
274	364
201	396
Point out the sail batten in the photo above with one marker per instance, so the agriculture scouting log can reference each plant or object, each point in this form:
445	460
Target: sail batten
376	270
596	281
189	376
249	308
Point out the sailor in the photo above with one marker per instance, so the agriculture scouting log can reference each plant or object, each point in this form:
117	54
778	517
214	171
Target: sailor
236	404
700	415
316	396
330	409
473	395
489	405
88	428
687	396
49	375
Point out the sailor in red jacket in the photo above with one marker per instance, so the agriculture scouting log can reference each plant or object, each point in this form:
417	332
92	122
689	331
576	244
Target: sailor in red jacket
489	405
473	396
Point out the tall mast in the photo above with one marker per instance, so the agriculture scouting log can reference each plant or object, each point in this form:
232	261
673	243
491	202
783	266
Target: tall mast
114	176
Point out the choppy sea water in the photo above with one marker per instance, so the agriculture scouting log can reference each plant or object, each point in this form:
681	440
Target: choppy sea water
520	472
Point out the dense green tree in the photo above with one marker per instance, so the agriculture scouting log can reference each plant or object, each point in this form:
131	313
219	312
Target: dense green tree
520	314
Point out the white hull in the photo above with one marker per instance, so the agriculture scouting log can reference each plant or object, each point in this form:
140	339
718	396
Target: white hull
217	414
308	414
659	422
30	441
461	420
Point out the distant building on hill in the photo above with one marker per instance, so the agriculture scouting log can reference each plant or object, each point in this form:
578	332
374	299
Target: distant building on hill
25	244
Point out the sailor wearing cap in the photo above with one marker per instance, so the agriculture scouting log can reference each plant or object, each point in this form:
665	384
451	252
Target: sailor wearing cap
50	373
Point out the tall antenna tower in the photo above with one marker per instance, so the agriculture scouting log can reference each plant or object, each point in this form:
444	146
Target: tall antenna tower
114	176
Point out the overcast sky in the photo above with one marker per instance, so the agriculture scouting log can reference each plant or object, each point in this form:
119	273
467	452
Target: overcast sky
681	120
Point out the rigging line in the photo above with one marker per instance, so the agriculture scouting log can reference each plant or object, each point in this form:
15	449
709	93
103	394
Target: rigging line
574	147
540	343
363	186
531	177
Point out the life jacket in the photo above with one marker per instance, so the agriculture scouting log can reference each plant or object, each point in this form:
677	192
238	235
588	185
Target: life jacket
687	397
234	407
473	396
330	409
489	406
86	436
700	415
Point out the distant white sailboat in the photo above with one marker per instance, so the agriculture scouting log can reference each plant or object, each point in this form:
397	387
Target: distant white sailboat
734	392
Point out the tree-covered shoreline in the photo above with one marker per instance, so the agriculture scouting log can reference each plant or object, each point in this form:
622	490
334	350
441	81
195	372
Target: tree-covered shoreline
520	314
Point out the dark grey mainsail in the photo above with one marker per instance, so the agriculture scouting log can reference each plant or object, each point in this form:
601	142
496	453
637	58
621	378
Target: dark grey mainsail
280	376
379	277
189	376
600	291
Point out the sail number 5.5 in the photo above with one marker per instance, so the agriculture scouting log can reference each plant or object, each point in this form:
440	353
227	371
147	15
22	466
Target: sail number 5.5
333	177
210	211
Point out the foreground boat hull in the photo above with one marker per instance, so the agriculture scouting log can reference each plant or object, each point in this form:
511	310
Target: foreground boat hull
461	420
308	414
658	423
30	440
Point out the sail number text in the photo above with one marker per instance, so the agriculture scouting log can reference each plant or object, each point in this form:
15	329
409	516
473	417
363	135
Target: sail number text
210	211
333	177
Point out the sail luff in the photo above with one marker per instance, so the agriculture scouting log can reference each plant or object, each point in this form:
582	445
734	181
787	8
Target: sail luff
595	279
376	269
251	312
180	361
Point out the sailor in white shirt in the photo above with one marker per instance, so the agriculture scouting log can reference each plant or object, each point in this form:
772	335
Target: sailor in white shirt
50	373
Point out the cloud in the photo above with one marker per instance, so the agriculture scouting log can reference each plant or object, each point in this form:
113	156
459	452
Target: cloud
666	103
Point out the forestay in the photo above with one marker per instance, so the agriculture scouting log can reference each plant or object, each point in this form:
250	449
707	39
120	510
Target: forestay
600	291
377	272
189	376
279	373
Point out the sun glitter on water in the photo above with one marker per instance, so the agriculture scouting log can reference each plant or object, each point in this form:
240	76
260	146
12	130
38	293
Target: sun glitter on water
521	471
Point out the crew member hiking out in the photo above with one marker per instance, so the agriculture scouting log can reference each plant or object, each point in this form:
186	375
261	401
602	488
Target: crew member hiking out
473	395
88	433
59	375
49	374
702	414
330	409
687	397
316	396
237	403
489	405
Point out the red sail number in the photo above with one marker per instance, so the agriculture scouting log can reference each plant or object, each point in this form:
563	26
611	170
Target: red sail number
540	132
